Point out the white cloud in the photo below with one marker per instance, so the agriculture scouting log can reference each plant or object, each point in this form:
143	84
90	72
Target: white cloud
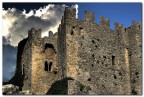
17	23
75	6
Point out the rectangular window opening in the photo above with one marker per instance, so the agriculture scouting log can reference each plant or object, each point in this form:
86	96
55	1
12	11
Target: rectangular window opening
113	60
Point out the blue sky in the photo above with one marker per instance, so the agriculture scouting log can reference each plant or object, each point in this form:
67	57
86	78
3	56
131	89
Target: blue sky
123	13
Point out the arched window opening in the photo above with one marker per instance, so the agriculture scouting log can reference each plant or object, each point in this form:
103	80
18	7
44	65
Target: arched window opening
47	45
46	66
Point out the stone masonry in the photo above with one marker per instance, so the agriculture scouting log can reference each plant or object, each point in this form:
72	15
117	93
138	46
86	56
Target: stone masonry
81	58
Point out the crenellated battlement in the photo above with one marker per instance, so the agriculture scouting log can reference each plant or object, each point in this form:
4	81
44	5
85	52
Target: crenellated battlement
104	22
33	33
89	17
69	14
118	27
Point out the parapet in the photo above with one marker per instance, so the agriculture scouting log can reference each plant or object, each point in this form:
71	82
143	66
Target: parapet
50	33
104	22
135	25
69	14
118	26
34	33
90	17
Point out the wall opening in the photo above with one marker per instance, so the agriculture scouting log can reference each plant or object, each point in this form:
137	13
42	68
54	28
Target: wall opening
134	92
93	55
72	32
136	73
89	79
115	77
113	60
93	41
47	45
46	66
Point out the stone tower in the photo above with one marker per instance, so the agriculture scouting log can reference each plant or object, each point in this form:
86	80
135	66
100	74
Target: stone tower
97	60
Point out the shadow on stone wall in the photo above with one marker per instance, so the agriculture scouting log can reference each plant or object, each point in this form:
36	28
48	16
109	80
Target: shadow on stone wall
60	87
18	78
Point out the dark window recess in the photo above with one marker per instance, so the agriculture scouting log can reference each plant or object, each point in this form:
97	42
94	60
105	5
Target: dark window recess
139	26
72	32
115	77
98	40
120	73
93	55
80	28
98	62
73	27
113	60
47	45
92	65
104	57
134	92
93	41
55	72
46	66
89	79
136	73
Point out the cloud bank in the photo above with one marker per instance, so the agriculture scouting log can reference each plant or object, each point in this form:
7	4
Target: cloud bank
16	24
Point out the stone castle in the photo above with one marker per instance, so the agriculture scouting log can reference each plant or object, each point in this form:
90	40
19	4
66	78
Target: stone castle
81	58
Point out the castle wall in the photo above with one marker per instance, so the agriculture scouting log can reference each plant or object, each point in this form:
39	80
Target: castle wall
26	63
44	67
18	78
135	54
99	57
99	60
61	46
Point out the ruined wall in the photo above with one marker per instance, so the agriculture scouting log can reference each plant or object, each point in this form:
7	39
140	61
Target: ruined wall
135	57
18	78
26	63
61	46
98	57
44	67
89	58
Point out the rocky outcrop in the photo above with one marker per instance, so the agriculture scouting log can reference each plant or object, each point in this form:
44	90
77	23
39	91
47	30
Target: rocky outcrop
11	89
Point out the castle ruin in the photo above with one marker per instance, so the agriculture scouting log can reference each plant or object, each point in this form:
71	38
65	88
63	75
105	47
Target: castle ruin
90	58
